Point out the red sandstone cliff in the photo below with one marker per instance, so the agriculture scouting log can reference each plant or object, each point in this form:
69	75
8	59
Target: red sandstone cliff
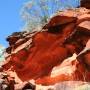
34	55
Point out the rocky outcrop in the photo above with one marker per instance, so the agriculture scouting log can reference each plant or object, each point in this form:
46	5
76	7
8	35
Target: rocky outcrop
6	82
17	39
34	55
70	70
85	3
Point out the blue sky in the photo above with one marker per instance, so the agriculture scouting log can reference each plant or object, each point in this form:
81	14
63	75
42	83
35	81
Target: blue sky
10	19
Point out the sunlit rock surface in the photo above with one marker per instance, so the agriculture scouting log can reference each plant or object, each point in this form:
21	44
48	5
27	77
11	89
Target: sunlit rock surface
73	85
66	85
42	56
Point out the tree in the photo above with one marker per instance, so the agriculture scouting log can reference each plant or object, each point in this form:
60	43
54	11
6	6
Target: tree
37	12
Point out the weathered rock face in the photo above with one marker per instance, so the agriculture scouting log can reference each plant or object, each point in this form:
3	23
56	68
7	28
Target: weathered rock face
6	82
70	70
34	55
59	21
85	3
18	39
9	83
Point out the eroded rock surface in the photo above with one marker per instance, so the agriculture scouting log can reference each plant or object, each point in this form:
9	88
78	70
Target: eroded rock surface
34	55
85	3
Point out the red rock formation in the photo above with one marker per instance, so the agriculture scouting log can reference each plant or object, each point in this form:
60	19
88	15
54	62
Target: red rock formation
74	70
59	21
44	50
48	49
85	3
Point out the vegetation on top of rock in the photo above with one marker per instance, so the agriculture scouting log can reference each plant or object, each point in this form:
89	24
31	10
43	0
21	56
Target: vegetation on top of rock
1	53
37	12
